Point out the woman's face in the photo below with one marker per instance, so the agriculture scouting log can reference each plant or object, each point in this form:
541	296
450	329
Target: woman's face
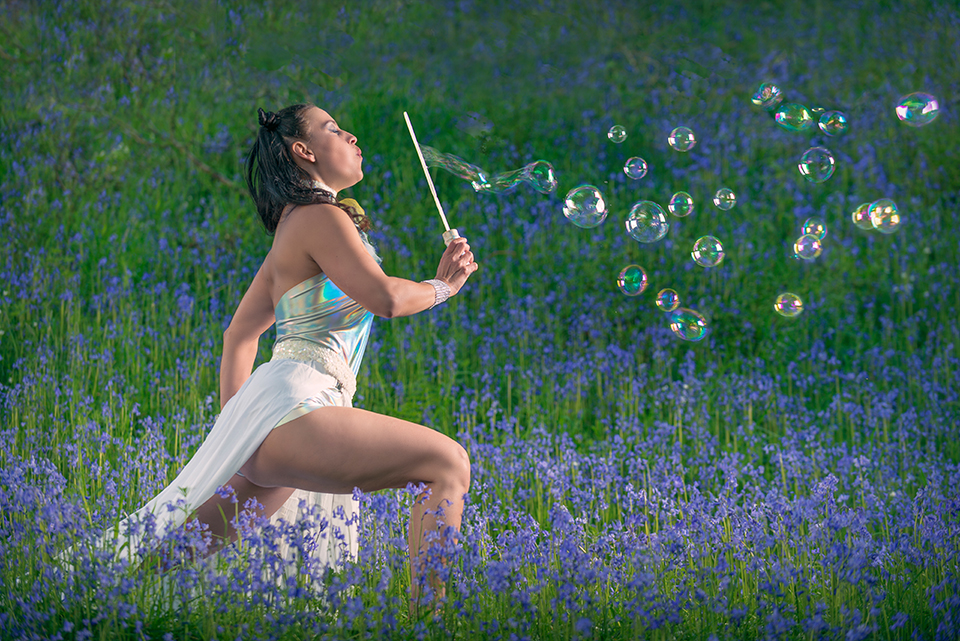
329	154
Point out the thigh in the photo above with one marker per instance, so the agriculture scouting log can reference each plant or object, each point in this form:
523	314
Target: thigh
217	512
335	449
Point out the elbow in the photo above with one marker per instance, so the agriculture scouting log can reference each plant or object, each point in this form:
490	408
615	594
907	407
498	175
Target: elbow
388	304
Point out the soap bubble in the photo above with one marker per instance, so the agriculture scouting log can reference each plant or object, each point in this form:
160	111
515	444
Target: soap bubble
585	207
816	227
807	247
539	174
861	216
617	134
817	164
632	280
681	204
768	96
707	251
817	111
833	123
794	117
647	222
884	215
668	300
918	109
635	168
688	324
682	139
725	199
788	305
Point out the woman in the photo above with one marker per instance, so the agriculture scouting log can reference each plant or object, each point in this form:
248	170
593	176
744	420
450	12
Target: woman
288	431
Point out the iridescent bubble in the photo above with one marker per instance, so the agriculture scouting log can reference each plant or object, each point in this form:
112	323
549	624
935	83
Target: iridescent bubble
725	199
585	207
768	96
635	168
794	117
832	123
681	204
668	300
817	111
816	227
688	324
707	251
539	174
884	215
817	164
682	139
807	247
861	216
788	305
647	222
918	109
632	280
617	134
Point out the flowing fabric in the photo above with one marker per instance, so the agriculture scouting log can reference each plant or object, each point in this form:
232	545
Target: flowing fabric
321	337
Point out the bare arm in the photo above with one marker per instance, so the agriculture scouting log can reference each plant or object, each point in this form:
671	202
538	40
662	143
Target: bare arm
332	241
254	316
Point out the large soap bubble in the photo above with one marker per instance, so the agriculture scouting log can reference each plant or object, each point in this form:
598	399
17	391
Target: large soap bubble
788	305
682	139
918	109
632	280
688	324
794	117
647	222
585	207
539	174
884	215
707	251
817	164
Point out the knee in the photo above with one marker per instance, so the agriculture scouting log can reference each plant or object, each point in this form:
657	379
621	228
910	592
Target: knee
457	467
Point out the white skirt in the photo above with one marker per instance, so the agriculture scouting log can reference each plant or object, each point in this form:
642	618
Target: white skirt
276	392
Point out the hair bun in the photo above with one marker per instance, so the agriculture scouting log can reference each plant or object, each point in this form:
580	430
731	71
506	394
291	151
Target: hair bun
268	120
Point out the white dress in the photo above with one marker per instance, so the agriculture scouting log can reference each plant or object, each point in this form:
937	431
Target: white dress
321	337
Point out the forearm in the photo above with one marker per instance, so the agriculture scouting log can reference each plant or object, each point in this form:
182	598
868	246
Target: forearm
235	365
406	298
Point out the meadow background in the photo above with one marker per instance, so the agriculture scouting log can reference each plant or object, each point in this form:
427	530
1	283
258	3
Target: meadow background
783	478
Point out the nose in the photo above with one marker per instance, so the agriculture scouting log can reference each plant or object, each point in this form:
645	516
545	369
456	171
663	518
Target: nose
353	139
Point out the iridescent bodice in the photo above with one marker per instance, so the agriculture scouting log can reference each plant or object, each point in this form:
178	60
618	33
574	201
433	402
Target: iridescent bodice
316	310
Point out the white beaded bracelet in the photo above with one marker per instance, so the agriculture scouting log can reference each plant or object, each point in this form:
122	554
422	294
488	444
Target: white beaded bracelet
441	291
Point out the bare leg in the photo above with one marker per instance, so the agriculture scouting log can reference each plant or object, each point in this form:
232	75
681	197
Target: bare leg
334	449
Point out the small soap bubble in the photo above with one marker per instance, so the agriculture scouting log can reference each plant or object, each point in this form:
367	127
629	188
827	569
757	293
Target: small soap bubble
725	199
635	168
585	207
816	227
688	324
861	216
617	134
794	117
788	305
632	280
768	96
707	251
832	123
884	215
682	139
681	204
817	164
807	247
817	111
668	300
647	222
918	109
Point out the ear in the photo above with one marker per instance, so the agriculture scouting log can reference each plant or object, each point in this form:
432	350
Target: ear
300	149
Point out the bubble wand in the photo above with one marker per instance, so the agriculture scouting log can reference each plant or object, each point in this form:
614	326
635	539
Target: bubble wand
449	234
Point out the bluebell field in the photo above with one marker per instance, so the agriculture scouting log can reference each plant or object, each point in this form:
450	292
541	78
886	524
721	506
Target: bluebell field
780	479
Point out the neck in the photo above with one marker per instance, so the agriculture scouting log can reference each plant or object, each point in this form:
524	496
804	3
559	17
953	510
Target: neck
319	184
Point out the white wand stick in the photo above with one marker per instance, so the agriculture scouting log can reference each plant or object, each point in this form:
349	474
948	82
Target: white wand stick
449	234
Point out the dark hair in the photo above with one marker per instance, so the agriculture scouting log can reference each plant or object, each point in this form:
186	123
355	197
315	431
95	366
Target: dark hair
274	180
